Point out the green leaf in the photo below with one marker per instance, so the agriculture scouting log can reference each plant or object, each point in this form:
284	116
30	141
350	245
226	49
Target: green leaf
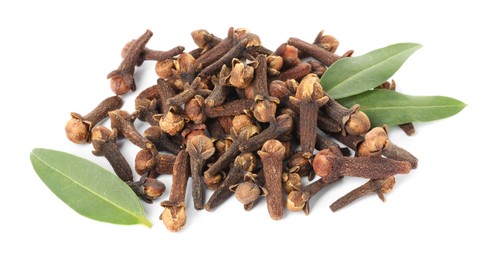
88	188
393	108
351	76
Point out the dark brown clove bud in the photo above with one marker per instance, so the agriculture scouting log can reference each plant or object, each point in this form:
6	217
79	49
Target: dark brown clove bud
231	108
122	80
148	189
153	164
161	140
378	186
174	214
318	53
123	122
351	120
234	52
78	128
104	143
296	72
146	109
148	54
265	106
194	110
272	154
376	143
221	89
216	52
309	98
200	148
328	165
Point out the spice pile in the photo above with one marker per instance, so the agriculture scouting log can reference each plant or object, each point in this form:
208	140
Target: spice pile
239	119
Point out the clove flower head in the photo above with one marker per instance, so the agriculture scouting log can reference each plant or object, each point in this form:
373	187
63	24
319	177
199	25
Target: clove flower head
77	129
358	123
173	216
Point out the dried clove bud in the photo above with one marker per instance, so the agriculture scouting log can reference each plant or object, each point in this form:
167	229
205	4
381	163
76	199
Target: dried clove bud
272	154
352	121
221	89
148	54
242	74
265	106
153	164
250	190
376	142
216	52
174	214
148	189
328	165
161	140
200	148
78	128
309	98
122	80
296	72
123	122
378	186
104	143
172	123
320	54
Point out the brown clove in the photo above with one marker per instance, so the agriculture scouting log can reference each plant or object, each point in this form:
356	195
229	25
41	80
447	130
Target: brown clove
328	165
78	128
122	80
174	214
200	148
272	154
378	186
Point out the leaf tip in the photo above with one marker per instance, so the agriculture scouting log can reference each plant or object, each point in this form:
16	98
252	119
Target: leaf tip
144	221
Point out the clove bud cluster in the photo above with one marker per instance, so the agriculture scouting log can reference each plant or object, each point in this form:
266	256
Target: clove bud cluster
240	119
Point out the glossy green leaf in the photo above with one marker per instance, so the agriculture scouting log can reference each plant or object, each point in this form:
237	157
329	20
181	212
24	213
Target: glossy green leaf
88	188
351	76
393	108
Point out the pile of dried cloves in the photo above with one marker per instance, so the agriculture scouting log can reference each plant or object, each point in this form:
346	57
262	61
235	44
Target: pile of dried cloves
239	119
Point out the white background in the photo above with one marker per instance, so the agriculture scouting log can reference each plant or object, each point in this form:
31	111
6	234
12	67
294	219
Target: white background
55	57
